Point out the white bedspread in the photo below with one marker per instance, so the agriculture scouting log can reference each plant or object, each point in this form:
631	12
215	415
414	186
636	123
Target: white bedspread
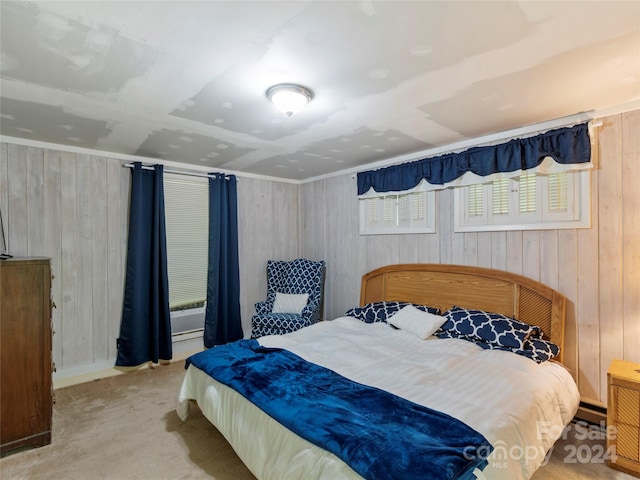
518	405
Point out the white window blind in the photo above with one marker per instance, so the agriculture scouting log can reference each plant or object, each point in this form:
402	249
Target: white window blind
187	224
398	213
528	202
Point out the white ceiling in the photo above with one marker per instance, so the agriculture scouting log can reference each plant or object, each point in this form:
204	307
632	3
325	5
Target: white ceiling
186	81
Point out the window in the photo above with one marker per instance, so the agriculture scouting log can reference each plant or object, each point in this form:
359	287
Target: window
528	202
187	226
411	212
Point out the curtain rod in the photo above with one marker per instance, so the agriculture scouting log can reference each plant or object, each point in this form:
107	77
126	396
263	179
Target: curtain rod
177	172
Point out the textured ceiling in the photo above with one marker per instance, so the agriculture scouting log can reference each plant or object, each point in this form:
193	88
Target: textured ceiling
186	81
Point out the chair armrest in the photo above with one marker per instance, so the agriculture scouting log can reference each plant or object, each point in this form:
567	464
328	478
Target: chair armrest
264	307
311	310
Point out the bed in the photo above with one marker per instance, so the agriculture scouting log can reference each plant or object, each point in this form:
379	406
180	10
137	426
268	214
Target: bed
518	405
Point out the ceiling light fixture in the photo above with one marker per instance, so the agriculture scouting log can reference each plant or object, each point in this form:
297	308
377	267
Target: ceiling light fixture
289	98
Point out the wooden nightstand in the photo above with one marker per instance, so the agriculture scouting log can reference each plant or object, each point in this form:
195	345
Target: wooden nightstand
623	413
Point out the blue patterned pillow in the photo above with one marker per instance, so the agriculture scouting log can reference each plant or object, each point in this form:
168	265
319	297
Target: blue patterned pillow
493	328
539	350
451	334
380	311
497	332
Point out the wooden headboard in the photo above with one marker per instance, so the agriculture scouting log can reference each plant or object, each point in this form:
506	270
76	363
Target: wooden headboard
443	286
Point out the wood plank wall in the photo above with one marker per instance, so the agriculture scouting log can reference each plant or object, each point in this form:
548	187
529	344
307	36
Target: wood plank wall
268	228
73	208
598	269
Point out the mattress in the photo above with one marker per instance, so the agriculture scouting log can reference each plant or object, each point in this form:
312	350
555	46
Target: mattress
520	406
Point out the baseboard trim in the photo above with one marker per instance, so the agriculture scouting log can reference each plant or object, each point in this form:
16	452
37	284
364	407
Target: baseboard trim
592	413
94	371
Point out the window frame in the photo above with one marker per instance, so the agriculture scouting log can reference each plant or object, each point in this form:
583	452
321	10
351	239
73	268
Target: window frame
578	199
366	207
184	318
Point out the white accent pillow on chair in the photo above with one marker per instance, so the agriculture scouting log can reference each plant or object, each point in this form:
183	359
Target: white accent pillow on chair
290	302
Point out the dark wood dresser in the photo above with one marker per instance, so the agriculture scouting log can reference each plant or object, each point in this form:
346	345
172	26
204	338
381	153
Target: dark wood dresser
25	353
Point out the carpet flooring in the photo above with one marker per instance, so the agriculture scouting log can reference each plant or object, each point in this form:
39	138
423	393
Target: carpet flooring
125	428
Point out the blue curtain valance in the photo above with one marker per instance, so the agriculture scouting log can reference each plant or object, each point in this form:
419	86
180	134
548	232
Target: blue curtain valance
569	145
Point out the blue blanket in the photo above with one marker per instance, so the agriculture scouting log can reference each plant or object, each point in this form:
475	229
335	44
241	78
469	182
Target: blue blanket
380	435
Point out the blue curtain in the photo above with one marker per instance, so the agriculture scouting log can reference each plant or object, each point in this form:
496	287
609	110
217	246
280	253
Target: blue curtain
222	322
145	331
564	145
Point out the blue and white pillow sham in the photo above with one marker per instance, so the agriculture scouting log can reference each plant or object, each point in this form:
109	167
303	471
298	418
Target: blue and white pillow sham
488	327
380	311
499	332
540	350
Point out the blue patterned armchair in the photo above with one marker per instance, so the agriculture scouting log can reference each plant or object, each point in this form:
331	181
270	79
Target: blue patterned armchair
289	281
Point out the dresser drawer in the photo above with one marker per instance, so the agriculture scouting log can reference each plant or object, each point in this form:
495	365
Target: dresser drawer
628	402
628	444
623	416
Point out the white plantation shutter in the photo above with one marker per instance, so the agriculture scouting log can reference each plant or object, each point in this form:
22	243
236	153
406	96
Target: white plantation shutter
389	210
404	210
187	223
400	213
528	193
372	212
557	194
562	202
500	196
475	204
531	201
418	207
476	200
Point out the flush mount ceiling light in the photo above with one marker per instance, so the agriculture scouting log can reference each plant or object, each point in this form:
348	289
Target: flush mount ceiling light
289	98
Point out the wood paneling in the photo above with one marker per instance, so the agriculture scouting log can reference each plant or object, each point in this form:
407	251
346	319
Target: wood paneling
631	236
267	229
4	179
568	285
597	269
57	207
53	242
609	243
16	213
73	209
116	195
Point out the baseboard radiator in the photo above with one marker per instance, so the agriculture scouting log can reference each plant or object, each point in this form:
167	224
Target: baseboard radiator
592	413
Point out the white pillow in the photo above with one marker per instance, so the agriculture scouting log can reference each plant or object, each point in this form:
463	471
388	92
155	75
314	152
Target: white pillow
290	302
421	324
